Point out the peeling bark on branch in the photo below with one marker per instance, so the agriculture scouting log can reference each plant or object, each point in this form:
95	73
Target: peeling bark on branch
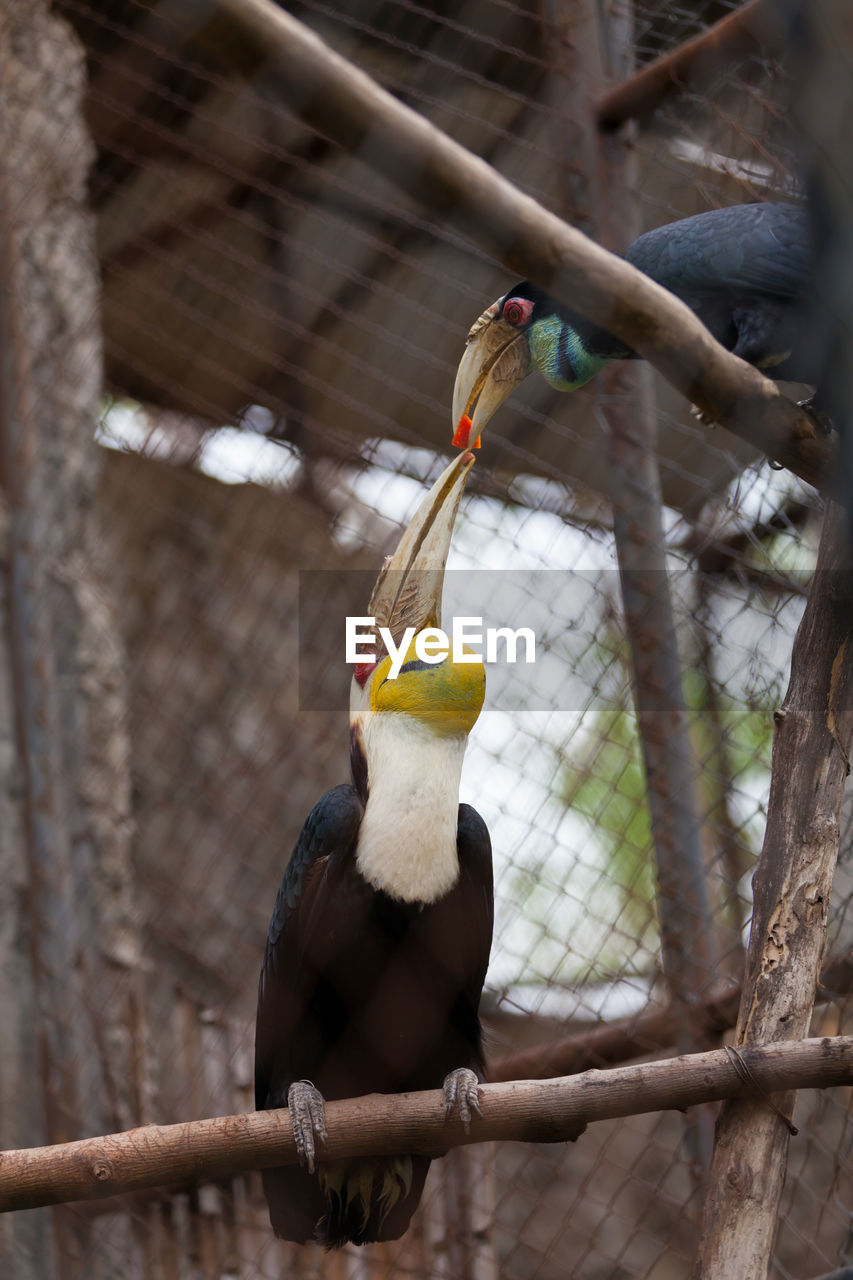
339	101
792	887
526	1111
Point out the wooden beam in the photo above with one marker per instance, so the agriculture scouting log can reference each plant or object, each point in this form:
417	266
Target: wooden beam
792	888
379	1124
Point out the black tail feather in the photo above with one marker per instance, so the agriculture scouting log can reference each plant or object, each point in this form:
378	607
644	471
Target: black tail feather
369	1201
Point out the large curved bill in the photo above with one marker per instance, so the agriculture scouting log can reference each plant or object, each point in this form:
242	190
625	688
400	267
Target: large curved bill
496	359
408	590
409	586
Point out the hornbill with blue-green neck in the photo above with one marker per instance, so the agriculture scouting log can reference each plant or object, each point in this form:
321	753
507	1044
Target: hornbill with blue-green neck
380	937
745	271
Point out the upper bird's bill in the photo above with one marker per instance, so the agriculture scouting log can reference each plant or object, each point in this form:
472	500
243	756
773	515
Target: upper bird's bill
408	589
496	359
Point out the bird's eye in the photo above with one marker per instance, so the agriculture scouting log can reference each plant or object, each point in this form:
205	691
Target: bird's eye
517	311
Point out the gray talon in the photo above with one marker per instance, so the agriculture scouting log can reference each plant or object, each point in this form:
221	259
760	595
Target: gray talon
462	1092
308	1119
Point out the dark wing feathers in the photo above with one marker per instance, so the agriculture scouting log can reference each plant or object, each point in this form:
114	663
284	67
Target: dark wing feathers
363	992
475	862
761	248
331	827
744	270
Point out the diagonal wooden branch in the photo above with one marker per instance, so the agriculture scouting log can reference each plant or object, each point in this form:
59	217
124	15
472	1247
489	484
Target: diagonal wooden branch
526	1111
792	889
747	30
339	101
651	1032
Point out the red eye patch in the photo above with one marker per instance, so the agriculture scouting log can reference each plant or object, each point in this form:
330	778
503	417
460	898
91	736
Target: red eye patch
517	311
362	671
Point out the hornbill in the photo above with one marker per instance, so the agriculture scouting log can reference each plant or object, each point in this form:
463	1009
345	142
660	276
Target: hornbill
380	936
744	270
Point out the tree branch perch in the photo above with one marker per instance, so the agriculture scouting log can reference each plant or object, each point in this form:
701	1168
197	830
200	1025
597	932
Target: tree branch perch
339	101
525	1111
792	888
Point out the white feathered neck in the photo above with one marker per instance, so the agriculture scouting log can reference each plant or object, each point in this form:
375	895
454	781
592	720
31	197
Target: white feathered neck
407	839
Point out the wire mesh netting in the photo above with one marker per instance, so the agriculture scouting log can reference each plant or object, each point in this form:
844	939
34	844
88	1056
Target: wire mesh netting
281	331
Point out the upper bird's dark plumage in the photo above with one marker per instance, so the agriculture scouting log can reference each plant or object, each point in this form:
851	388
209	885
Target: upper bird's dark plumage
746	271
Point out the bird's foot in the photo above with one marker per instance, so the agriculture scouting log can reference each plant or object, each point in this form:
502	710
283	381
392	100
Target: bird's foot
462	1093
823	424
308	1120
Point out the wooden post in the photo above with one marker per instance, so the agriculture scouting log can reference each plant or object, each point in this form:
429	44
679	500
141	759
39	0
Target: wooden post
628	410
792	887
68	944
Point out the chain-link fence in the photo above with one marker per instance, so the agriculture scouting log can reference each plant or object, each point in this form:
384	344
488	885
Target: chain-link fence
281	329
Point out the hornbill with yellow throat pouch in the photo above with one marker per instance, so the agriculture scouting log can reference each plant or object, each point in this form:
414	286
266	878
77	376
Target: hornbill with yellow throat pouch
744	270
380	937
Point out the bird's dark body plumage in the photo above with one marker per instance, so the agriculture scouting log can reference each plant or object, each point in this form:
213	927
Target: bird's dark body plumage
747	271
362	993
744	270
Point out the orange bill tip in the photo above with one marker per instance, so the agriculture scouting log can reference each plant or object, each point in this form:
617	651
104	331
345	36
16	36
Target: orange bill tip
462	434
477	443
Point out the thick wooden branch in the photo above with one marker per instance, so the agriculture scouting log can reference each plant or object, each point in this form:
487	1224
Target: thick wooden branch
792	889
339	101
616	1041
526	1111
